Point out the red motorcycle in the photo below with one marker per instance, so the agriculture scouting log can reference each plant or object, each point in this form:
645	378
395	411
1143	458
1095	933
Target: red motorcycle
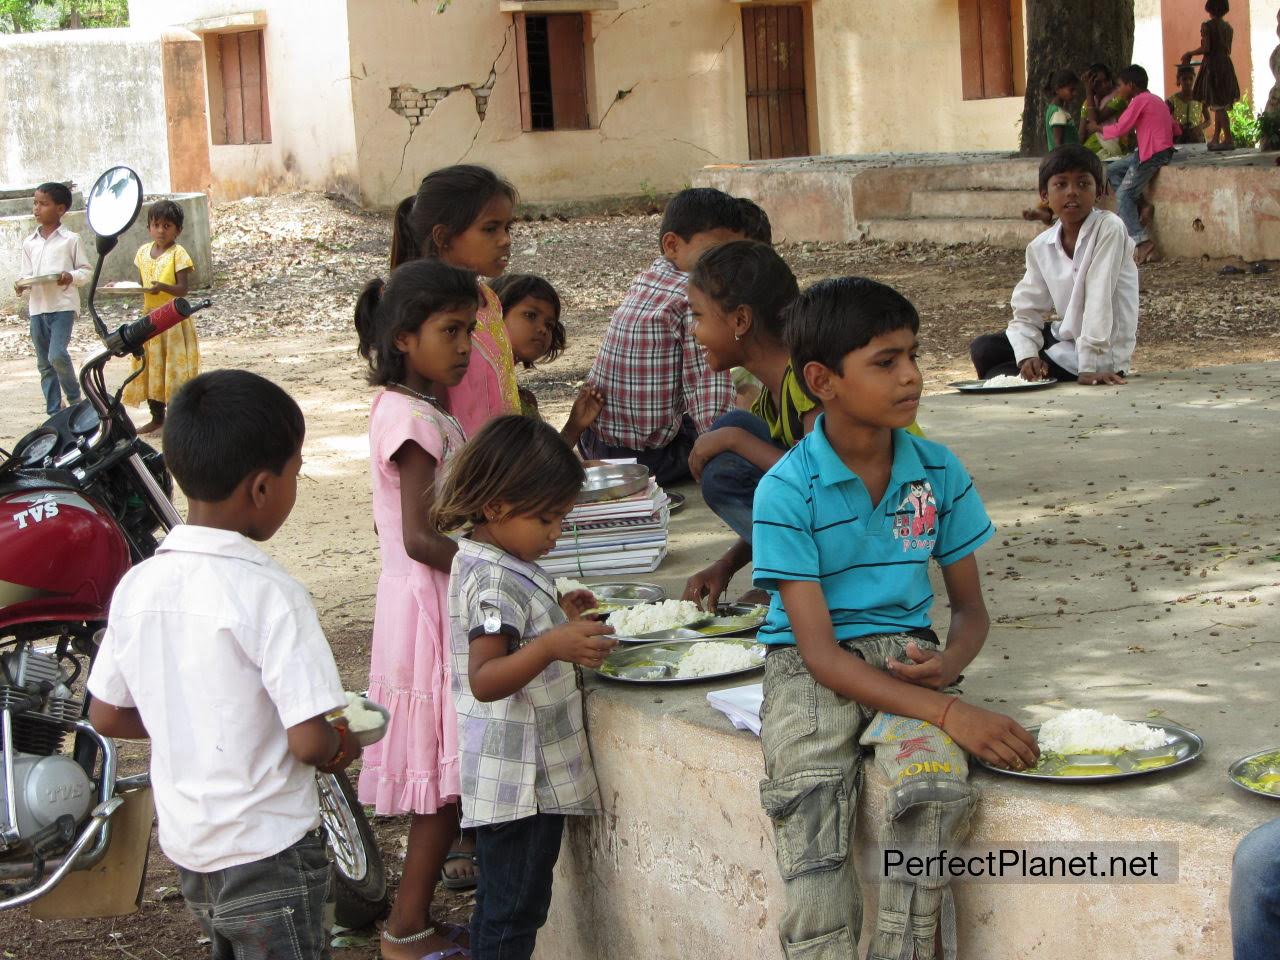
82	498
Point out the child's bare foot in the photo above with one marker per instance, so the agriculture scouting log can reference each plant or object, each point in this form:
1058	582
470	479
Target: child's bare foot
1146	252
151	426
1038	215
460	871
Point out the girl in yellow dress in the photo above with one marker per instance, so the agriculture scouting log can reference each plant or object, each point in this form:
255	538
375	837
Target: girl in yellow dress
172	358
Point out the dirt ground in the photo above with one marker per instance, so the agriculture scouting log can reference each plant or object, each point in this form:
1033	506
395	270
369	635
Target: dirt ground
288	270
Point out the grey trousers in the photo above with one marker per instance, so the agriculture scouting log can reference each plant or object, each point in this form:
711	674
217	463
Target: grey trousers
814	743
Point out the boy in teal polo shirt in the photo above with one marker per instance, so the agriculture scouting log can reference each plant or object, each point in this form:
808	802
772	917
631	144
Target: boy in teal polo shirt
844	527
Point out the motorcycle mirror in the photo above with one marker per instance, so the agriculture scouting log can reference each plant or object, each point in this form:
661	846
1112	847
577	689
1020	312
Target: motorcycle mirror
114	202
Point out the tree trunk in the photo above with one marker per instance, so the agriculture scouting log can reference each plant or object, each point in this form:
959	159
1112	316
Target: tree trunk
1070	35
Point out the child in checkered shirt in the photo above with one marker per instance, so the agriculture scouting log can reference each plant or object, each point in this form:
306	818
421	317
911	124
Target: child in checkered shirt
516	648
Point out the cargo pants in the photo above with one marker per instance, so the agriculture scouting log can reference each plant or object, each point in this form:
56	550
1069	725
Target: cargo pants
813	741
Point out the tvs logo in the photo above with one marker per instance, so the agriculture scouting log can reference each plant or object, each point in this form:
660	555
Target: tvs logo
916	520
39	511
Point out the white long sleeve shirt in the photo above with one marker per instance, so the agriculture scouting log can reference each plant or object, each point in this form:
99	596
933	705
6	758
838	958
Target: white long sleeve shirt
60	252
1094	293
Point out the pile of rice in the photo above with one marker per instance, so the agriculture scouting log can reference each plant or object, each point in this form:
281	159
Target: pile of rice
565	585
1088	731
652	617
713	656
1007	380
359	717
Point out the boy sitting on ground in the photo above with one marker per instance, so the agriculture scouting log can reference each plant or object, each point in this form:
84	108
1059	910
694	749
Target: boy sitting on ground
1083	270
216	654
845	526
659	393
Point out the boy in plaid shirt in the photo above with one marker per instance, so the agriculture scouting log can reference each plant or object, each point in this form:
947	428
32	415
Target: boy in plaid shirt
659	392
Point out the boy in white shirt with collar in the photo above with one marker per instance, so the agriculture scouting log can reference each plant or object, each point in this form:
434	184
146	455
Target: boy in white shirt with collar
1082	269
216	654
53	304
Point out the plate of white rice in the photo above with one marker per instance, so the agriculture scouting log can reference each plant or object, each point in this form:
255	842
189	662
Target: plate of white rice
1088	746
1002	384
644	620
683	661
366	719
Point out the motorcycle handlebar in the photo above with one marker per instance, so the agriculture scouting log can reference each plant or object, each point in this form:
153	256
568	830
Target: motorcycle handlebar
130	337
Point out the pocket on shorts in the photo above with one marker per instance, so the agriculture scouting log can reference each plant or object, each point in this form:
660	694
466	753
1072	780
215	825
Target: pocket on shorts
836	945
811	814
268	935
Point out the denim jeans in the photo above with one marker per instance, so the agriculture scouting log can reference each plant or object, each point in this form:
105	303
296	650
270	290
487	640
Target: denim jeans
516	861
729	481
814	741
271	909
1255	895
669	464
51	332
1128	177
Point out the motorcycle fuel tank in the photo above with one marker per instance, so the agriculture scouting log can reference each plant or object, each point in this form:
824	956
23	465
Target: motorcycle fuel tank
61	556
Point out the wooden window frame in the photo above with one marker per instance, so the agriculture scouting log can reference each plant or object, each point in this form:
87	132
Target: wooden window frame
992	58
568	37
235	63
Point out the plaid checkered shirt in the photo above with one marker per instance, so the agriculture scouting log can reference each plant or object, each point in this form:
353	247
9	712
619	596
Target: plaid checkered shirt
651	370
527	753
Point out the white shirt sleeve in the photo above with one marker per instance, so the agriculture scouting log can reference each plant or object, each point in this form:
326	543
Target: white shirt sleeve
297	667
106	681
1032	304
81	268
28	268
1098	323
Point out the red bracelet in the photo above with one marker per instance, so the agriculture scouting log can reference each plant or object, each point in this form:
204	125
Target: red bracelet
945	710
338	761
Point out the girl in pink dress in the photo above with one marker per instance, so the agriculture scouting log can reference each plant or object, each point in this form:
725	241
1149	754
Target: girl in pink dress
415	331
462	215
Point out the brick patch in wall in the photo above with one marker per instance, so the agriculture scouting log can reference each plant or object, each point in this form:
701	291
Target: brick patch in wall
416	105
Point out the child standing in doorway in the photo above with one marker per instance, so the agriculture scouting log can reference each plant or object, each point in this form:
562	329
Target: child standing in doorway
55	252
462	215
1216	85
173	358
416	333
517	647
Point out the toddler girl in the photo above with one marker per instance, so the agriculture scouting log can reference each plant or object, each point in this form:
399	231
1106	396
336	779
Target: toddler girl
462	215
1059	126
415	331
171	359
531	310
525	762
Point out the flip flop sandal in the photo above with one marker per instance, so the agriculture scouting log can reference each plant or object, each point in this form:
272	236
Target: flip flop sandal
458	883
461	952
446	931
451	931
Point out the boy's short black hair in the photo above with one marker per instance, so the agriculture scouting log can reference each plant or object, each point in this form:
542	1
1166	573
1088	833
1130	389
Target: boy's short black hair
59	193
835	317
1217	8
167	210
756	221
225	425
1069	159
700	209
1061	78
1134	74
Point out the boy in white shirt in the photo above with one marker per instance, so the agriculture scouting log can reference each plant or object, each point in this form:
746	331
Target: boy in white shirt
1082	269
53	304
216	654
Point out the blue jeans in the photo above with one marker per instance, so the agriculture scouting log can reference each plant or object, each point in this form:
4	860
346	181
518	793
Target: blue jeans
516	861
1128	177
51	332
271	909
1255	895
729	481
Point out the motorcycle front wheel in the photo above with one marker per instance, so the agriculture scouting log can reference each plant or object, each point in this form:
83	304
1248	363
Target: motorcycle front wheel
360	888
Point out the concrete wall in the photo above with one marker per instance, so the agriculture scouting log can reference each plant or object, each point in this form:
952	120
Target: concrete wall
119	266
308	71
78	102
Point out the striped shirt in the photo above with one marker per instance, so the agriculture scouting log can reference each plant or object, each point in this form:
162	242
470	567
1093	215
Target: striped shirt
527	753
651	370
814	521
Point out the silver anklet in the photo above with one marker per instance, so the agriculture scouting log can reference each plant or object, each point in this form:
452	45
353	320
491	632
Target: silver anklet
411	938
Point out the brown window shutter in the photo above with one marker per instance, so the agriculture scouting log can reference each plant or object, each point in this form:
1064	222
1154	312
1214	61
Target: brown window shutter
522	71
971	74
568	70
262	62
233	89
997	48
251	85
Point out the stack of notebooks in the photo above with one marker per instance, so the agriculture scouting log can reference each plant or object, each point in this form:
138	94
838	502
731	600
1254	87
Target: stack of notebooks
613	537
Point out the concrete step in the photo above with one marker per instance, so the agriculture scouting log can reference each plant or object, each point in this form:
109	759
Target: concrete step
983	204
1003	175
1008	233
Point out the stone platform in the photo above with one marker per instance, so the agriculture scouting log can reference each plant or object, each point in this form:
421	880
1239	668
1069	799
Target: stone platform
1134	572
1206	204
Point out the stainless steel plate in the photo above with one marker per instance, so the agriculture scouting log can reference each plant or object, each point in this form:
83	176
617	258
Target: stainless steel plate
1181	747
1258	773
979	386
613	482
676	502
25	282
656	662
367	737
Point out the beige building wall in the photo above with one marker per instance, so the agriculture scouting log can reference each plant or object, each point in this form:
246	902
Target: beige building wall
1148	44
308	68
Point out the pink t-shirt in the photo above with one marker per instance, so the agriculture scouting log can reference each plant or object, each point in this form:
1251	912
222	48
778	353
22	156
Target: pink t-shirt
1150	117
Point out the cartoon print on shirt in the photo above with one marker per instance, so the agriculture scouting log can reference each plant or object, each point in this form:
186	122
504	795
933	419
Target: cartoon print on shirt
916	520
